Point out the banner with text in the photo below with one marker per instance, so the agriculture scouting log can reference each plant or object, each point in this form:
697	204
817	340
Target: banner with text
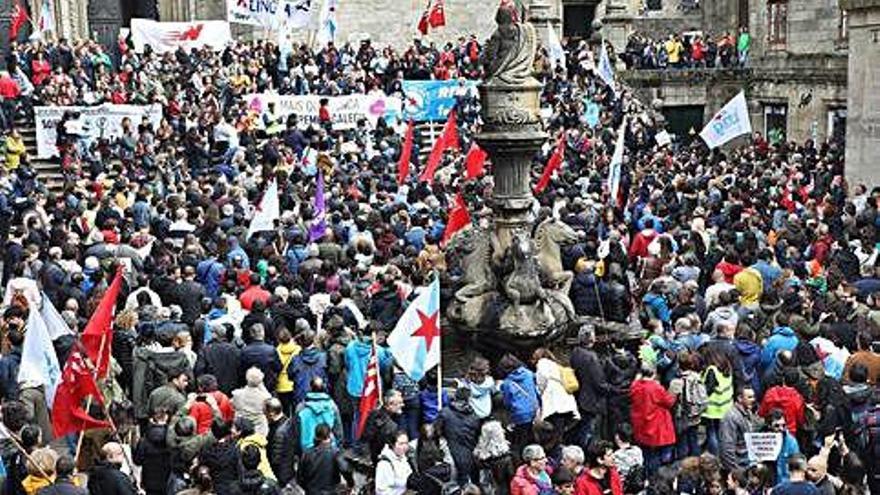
345	111
432	100
763	446
272	14
166	37
94	122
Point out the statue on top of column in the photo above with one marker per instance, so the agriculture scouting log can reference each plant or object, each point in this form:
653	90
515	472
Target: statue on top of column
510	52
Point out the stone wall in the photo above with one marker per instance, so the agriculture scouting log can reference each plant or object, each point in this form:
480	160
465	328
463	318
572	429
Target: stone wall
812	27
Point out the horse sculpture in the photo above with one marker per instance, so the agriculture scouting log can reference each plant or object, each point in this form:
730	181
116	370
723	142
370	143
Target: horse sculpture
523	285
549	235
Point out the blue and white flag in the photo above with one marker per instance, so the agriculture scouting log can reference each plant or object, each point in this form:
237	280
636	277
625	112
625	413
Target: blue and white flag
614	169
731	121
327	28
415	341
605	70
554	47
39	364
55	324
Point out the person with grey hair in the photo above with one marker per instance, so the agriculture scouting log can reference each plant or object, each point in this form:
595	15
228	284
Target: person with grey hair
593	387
249	401
261	355
532	476
573	459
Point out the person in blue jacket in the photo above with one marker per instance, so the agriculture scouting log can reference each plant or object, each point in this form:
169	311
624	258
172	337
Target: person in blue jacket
782	338
357	357
520	394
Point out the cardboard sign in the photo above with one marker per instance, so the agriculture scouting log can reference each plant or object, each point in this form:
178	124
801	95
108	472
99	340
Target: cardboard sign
763	446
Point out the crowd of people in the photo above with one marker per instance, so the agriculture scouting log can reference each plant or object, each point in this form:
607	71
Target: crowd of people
689	50
239	361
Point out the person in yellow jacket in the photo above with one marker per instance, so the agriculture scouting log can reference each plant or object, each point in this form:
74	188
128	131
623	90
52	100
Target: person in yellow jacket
41	470
287	349
243	429
750	285
15	150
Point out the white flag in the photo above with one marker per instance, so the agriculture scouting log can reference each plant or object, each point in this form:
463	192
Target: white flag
557	54
605	70
164	37
297	14
268	211
47	19
327	27
39	364
614	169
731	121
55	324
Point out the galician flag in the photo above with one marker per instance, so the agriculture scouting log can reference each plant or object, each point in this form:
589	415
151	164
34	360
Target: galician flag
616	164
39	364
415	341
605	70
267	212
731	121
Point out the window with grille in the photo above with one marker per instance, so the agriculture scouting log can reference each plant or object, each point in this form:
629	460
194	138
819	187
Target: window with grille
777	23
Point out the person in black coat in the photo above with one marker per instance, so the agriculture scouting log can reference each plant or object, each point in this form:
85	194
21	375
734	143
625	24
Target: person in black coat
105	478
222	458
221	359
153	455
252	481
614	296
258	315
585	292
593	387
188	295
9	365
461	428
281	451
382	423
323	466
261	355
63	485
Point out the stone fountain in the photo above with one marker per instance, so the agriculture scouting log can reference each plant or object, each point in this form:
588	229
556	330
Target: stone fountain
513	285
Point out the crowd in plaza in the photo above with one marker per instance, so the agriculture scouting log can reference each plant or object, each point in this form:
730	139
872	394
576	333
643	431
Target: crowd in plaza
688	50
239	361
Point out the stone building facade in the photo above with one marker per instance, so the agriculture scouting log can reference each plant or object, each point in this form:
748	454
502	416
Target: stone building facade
796	76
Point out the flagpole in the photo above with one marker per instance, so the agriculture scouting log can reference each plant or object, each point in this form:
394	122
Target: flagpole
95	370
20	448
439	359
378	370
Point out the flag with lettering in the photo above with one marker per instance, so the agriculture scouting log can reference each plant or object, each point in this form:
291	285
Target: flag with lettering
415	341
731	121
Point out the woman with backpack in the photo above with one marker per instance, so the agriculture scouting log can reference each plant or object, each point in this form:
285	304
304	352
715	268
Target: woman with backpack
558	405
690	403
393	468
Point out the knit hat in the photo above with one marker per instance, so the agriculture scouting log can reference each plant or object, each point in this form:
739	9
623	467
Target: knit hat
254	377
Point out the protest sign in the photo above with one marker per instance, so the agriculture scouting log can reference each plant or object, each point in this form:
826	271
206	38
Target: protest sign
93	123
164	37
763	446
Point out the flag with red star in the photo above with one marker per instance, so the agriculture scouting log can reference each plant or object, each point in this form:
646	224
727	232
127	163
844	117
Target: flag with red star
415	341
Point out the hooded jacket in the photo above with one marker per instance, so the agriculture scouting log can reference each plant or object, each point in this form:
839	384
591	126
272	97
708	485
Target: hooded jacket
317	409
286	353
260	442
357	356
154	457
481	396
782	339
520	396
461	428
789	401
750	357
308	364
651	414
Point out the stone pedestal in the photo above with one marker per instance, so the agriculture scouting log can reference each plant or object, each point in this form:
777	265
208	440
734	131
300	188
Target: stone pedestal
863	98
512	135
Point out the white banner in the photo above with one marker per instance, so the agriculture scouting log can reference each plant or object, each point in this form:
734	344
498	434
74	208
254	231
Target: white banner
345	111
272	14
166	37
731	121
94	122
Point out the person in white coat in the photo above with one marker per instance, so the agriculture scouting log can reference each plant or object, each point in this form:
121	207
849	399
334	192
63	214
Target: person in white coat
393	468
557	406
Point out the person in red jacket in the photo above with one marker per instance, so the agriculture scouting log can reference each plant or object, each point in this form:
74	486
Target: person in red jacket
600	475
639	247
651	419
787	399
209	403
254	293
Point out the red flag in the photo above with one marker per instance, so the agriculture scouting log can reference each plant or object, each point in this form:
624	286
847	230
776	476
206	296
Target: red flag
370	393
77	383
405	154
449	139
475	162
424	22
18	19
100	328
459	218
553	164
437	17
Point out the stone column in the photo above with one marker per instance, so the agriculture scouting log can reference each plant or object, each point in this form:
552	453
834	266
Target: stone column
863	95
542	13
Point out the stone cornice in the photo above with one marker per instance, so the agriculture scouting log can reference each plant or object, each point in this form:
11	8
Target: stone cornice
859	4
